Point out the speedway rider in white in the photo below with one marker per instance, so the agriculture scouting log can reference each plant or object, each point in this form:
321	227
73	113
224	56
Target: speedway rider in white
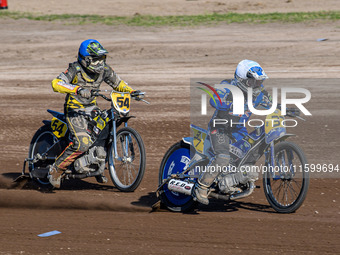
248	74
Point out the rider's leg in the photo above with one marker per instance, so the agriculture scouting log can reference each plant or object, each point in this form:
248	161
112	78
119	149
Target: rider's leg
220	146
101	153
207	178
80	143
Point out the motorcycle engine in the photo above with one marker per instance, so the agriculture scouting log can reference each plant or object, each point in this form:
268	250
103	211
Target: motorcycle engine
90	162
228	182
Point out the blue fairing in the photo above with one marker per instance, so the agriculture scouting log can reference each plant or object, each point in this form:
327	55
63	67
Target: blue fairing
58	115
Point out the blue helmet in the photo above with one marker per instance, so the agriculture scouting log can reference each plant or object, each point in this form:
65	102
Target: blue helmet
92	55
249	74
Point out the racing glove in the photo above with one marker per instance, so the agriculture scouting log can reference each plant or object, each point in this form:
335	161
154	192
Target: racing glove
136	94
292	112
84	93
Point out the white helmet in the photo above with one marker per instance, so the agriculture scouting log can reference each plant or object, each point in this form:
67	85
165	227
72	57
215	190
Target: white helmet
249	74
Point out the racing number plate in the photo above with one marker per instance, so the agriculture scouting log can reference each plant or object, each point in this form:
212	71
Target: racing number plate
121	101
59	128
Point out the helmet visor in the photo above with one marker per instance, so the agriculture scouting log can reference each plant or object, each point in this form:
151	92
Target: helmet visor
95	49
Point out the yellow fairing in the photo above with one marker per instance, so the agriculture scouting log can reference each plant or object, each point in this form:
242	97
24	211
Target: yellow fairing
199	138
100	122
123	87
59	128
63	87
274	121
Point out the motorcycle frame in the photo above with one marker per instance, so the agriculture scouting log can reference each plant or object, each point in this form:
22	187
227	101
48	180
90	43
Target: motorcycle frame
268	151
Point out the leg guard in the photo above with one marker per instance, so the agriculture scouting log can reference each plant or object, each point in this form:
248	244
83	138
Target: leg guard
81	141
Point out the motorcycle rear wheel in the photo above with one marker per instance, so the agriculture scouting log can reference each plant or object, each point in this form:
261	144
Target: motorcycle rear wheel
287	189
41	141
173	163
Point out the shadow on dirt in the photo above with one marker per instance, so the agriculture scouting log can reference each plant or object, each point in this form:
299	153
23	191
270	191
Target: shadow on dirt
13	181
151	200
232	206
146	200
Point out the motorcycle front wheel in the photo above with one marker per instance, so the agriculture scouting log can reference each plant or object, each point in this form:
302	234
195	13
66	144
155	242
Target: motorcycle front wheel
128	166
286	184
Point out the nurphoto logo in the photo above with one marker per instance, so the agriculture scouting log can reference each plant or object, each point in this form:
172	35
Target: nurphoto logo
238	99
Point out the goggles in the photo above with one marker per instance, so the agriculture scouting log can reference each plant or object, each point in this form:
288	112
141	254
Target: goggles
253	83
97	60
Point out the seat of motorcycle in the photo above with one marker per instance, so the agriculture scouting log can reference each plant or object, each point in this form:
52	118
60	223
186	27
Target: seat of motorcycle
58	115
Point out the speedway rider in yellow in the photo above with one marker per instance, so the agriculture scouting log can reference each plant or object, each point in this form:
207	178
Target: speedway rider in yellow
77	81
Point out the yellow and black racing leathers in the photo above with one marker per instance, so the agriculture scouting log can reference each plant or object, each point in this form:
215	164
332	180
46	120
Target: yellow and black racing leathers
69	82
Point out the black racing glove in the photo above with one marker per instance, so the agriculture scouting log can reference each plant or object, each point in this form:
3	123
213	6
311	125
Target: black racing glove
292	112
137	94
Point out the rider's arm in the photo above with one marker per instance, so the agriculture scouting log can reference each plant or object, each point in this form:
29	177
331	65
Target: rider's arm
112	79
63	83
266	101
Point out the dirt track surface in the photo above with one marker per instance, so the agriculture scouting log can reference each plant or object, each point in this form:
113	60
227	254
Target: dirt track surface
170	7
97	219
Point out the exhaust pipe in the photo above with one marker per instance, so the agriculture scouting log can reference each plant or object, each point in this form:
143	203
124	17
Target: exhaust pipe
219	196
186	188
245	193
234	196
180	186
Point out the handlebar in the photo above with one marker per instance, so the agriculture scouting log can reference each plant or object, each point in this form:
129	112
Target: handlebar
137	96
292	112
95	92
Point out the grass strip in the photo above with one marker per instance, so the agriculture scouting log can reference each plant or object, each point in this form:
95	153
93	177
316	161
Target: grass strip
179	20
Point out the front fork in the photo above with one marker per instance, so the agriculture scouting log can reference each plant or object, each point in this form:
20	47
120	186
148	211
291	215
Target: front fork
281	168
269	162
114	136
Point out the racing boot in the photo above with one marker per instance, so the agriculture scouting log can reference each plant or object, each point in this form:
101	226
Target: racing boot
101	178
54	176
201	190
200	193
